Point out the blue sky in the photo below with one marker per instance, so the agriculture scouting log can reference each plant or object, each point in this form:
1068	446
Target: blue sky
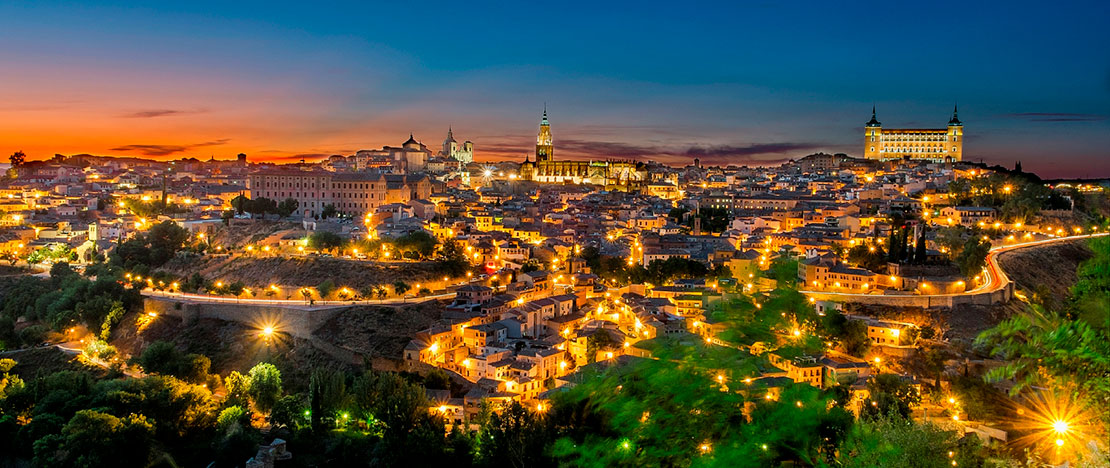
743	83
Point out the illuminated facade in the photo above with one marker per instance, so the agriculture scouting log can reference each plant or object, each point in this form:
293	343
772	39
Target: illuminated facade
619	175
937	145
451	149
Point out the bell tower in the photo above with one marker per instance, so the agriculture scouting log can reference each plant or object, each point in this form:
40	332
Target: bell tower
544	147
955	136
873	138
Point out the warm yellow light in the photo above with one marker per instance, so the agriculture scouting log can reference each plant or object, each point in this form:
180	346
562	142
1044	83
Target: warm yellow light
1060	426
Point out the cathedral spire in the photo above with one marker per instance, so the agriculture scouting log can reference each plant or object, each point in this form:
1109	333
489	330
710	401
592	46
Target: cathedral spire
955	112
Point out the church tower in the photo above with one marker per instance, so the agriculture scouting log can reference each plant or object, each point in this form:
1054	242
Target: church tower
873	138
955	136
544	147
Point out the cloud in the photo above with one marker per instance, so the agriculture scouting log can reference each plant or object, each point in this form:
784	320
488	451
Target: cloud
757	153
1057	117
151	113
753	154
166	150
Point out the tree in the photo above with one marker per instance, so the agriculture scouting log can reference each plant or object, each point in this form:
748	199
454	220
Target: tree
437	379
265	387
17	159
8	382
325	288
329	211
287	207
325	240
973	256
515	435
238	388
232	415
92	438
890	396
288	412
160	357
904	443
241	204
401	287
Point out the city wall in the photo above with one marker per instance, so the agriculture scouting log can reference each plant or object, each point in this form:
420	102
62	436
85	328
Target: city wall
924	301
298	322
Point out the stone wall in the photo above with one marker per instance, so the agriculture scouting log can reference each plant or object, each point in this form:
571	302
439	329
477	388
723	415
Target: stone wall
298	322
924	301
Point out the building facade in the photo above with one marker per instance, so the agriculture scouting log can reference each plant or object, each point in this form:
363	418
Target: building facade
353	194
618	175
451	149
932	144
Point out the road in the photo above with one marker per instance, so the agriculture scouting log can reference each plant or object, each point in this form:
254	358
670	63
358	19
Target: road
996	279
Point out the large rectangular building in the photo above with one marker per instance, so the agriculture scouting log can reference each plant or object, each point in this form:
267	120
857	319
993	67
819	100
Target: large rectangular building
932	144
354	194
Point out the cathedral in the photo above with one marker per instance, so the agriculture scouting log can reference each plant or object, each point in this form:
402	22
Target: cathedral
451	149
613	175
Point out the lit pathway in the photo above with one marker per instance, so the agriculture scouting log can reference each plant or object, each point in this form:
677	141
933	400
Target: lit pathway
996	279
289	303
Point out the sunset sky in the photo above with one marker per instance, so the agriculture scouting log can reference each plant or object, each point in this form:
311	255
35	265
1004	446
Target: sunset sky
730	82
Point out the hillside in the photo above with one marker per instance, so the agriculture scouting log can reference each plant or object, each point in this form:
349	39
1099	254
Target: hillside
230	346
1046	271
302	271
380	332
351	339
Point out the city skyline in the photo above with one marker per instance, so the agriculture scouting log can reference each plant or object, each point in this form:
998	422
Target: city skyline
282	84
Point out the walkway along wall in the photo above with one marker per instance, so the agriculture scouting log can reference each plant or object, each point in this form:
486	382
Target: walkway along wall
298	322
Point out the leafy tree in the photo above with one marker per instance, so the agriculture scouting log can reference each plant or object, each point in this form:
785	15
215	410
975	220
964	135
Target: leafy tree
17	159
265	387
288	412
904	443
890	396
241	204
327	394
238	388
515	436
329	211
401	287
92	438
162	357
232	415
871	257
8	382
437	379
287	207
325	240
325	288
973	256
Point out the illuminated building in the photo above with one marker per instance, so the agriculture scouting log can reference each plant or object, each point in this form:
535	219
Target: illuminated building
618	175
352	193
451	149
937	145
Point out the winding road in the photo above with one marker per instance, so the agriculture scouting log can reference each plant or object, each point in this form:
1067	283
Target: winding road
996	278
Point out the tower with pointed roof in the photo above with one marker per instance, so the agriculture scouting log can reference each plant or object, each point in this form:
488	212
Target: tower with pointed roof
872	134
451	148
544	147
956	135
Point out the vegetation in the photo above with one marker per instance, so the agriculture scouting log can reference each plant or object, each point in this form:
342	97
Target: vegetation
153	248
